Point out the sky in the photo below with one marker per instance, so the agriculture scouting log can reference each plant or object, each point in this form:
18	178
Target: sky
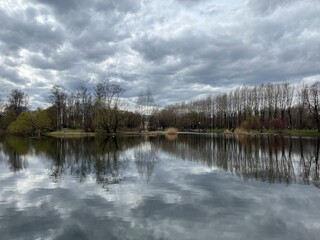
181	49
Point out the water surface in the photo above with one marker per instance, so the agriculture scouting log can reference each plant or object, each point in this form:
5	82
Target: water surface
192	187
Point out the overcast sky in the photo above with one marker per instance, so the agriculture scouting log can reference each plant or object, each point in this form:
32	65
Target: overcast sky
181	49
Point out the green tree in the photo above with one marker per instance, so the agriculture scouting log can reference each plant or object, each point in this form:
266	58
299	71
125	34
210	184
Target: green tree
32	122
22	125
7	118
41	121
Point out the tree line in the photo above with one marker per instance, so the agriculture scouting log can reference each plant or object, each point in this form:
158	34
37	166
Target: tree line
270	106
79	109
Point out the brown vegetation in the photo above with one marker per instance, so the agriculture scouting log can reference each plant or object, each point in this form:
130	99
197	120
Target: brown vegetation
171	131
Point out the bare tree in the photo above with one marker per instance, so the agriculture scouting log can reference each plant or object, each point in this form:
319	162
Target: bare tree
288	93
269	94
2	105
58	98
107	105
301	105
17	102
84	99
146	107
313	100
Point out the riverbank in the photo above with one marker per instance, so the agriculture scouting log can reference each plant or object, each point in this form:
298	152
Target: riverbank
286	132
70	133
82	133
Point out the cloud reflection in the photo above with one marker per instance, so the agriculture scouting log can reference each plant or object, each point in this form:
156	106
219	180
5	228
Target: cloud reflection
192	190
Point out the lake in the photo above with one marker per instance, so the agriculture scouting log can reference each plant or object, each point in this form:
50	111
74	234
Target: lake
189	187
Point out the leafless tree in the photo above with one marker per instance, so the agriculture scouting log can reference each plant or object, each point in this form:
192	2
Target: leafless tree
313	100
58	98
17	101
302	91
2	104
146	107
107	97
288	95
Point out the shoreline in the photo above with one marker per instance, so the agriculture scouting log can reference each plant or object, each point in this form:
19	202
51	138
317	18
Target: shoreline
292	132
237	132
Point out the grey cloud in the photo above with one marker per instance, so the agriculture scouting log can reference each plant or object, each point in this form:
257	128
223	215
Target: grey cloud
156	48
62	6
119	5
57	61
191	2
267	7
146	43
11	74
24	32
67	6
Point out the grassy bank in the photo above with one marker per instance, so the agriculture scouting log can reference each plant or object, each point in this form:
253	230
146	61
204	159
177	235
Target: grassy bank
286	132
82	133
70	133
302	133
216	131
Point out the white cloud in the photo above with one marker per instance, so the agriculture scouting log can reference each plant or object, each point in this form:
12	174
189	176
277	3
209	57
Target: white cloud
178	44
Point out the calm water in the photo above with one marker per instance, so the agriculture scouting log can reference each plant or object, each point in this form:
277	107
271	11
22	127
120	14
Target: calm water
192	187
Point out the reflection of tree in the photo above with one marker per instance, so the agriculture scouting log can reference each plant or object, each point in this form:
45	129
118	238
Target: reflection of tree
268	158
80	157
15	149
309	163
109	164
145	156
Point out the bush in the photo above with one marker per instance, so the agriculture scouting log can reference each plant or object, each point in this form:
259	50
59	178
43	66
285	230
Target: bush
278	124
251	123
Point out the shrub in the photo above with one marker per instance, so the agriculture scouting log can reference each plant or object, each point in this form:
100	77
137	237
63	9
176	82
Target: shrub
251	123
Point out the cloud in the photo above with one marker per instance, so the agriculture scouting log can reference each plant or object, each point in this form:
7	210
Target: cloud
267	7
179	45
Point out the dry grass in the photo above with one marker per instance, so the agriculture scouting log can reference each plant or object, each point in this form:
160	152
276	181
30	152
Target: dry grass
241	131
227	131
171	131
71	133
237	131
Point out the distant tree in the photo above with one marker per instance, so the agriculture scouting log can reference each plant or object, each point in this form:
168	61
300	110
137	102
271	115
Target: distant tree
2	104
41	121
58	98
146	108
302	93
22	125
130	119
80	109
31	123
85	107
313	101
288	96
7	118
106	105
17	102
